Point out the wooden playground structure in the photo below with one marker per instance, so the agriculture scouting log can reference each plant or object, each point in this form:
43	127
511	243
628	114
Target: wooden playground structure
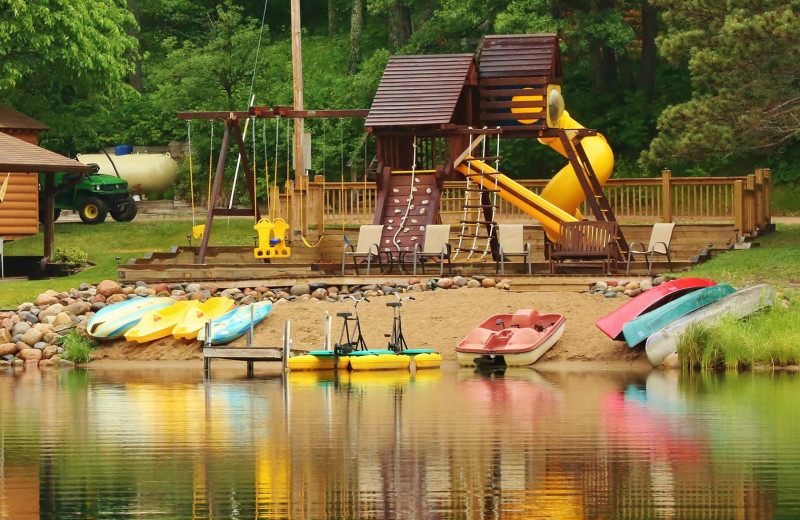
438	122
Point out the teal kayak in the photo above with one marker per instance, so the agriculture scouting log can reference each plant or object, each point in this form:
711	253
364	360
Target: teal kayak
638	330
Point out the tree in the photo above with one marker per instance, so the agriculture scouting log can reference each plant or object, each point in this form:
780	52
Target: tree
744	59
63	59
356	26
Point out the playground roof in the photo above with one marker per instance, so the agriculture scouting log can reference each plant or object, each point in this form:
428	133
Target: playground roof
17	155
521	55
419	90
11	119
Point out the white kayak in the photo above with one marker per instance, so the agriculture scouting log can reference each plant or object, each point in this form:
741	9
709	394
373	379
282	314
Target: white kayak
115	320
235	323
739	304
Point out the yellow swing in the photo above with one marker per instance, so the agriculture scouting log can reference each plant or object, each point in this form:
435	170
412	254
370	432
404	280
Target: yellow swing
271	231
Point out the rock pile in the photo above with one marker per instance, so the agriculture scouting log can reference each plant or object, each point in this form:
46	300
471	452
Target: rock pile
615	288
31	334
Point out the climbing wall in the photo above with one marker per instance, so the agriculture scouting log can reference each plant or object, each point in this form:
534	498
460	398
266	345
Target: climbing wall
407	204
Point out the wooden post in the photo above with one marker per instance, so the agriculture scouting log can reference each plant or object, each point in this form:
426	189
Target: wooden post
767	195
297	79
761	212
287	344
316	206
738	208
49	221
293	212
666	196
751	214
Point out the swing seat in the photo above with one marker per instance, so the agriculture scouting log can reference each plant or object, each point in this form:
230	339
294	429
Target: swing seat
272	239
198	231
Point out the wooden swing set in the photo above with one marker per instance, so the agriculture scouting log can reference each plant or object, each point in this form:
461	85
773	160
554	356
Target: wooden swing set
273	232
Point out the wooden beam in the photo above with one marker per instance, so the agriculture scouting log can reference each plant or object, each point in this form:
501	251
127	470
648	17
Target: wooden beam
223	153
214	115
248	174
284	111
469	149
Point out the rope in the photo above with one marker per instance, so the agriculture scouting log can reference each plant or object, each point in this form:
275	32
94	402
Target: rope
255	162
258	48
191	170
478	209
410	194
494	197
466	203
210	165
341	171
266	167
275	169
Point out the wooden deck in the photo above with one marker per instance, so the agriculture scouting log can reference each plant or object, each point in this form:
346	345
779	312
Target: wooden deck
237	267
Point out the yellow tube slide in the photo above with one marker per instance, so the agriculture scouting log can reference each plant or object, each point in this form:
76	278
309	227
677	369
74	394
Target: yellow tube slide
564	190
547	213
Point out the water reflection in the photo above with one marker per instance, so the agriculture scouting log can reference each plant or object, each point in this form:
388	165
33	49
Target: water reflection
435	444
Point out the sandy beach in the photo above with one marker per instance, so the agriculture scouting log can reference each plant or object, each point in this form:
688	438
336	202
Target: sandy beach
435	319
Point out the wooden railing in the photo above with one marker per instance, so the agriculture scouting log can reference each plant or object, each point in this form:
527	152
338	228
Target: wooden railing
742	201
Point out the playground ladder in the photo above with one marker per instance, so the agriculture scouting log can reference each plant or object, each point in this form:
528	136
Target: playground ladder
479	202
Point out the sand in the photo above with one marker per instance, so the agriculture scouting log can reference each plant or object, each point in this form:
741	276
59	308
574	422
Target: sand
435	319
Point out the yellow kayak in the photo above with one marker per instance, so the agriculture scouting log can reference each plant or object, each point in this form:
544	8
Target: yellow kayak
196	317
311	362
159	323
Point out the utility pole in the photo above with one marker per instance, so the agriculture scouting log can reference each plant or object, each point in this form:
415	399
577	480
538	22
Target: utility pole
301	181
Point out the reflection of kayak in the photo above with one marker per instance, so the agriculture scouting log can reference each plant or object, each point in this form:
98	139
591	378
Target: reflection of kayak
196	318
638	330
390	378
158	323
318	377
517	339
739	304
235	323
114	320
612	323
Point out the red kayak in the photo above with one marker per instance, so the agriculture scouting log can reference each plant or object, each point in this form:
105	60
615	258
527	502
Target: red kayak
612	323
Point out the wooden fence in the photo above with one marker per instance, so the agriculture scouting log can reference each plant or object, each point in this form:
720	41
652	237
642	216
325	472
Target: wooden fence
742	201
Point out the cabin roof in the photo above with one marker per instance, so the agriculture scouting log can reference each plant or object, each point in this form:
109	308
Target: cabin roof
419	90
11	119
521	55
17	155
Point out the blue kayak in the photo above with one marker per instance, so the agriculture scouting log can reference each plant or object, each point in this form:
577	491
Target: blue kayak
638	330
113	321
235	323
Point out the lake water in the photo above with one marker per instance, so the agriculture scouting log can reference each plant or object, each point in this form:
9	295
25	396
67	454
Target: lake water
451	444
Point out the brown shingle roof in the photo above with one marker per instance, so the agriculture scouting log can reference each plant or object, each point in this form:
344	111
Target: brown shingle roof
521	55
11	119
18	156
419	90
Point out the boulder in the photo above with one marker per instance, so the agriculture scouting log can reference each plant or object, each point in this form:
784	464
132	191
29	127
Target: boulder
632	286
488	282
300	289
100	298
161	287
8	348
49	351
444	283
32	336
44	363
96	306
108	287
78	308
192	287
61	319
30	355
672	361
44	299
115	298
473	283
319	293
5	336
20	328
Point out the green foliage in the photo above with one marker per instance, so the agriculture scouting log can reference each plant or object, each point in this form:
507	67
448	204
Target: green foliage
765	338
71	256
77	348
743	60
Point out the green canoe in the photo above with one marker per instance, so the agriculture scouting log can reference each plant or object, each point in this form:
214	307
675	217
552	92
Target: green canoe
638	330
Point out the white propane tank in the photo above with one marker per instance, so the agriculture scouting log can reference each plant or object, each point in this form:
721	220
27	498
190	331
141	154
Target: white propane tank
145	172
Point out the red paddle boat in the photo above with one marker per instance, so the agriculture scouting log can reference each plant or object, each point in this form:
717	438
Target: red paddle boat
517	339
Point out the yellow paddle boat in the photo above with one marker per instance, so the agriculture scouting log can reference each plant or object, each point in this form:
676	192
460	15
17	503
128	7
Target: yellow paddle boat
196	317
426	360
378	360
317	362
159	323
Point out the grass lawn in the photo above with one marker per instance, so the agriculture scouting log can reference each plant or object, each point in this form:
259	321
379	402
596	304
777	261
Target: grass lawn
104	242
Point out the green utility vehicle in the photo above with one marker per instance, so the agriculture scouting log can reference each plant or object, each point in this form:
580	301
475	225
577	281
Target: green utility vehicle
92	195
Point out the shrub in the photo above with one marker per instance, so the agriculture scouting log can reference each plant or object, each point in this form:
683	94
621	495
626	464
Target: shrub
77	348
70	256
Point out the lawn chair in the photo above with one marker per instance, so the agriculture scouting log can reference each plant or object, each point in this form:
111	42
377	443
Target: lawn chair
366	247
512	244
659	245
436	245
